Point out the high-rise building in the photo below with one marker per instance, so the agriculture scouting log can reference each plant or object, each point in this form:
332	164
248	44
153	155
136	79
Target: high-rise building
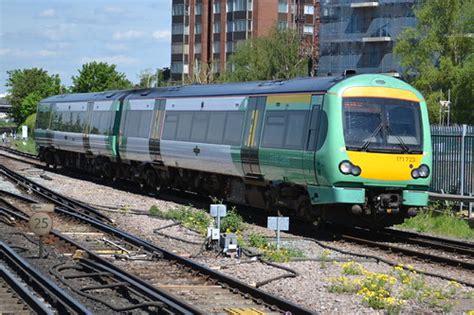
206	32
361	35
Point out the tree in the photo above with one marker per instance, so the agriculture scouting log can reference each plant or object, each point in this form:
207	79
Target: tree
149	78
276	56
438	56
97	77
27	87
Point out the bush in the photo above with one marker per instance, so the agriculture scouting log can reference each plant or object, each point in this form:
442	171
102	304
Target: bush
233	222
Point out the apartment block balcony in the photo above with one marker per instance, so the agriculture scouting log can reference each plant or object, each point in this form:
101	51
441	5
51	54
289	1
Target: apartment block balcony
366	5
377	39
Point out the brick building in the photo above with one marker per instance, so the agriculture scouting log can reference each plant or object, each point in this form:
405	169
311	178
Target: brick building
207	32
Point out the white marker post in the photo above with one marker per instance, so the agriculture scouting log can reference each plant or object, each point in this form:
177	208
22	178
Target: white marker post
218	211
41	222
278	224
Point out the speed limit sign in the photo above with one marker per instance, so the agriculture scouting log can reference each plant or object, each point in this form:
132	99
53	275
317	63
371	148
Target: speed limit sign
40	223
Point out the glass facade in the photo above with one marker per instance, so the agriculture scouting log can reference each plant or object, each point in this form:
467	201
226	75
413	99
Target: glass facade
360	35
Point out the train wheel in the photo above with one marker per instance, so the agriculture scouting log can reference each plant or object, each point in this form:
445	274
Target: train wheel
151	179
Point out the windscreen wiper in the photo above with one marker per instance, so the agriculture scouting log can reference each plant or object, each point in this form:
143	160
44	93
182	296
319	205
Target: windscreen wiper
401	143
374	133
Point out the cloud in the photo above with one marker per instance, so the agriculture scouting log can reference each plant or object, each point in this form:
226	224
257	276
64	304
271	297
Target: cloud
116	46
113	9
21	53
161	35
131	34
59	31
5	51
115	59
48	13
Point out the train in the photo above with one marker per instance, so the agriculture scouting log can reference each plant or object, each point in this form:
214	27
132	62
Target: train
349	149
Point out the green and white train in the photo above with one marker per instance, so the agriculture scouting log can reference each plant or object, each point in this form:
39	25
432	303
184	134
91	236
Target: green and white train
352	149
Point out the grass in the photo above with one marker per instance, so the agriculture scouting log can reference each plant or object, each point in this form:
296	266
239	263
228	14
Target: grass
270	251
28	146
444	223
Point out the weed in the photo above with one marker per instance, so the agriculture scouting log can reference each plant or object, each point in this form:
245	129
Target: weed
352	268
257	241
324	258
155	211
342	285
195	219
232	222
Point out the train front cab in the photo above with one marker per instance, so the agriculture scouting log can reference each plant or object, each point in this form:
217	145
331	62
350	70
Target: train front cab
374	166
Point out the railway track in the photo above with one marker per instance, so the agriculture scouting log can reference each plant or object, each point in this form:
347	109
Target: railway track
23	290
433	249
198	286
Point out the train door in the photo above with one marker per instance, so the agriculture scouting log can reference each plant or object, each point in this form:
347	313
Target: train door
309	154
156	127
86	128
252	132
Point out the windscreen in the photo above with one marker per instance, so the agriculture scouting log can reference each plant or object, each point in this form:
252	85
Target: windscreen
382	125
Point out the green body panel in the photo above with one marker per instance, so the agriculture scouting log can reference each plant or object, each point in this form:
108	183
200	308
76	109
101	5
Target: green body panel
282	165
325	194
415	198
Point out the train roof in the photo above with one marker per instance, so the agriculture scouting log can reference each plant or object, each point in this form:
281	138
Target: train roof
298	85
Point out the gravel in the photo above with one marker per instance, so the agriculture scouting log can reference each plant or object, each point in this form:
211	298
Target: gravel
308	289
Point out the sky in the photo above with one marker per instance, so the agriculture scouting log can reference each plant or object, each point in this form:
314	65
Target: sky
61	35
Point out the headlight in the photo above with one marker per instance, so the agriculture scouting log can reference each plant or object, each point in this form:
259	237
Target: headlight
346	167
424	170
415	173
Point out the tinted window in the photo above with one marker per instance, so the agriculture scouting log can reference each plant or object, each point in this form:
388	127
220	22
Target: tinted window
199	128
184	126
101	122
274	129
171	124
295	133
132	121
215	131
145	123
233	128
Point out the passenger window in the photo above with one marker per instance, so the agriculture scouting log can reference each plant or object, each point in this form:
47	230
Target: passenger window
295	134
233	128
132	123
274	129
215	131
145	123
171	124
199	128
184	126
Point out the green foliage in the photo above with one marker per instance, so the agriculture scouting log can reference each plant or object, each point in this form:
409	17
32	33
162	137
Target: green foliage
270	251
188	217
26	87
30	121
152	78
276	56
257	240
28	146
97	77
233	222
444	223
438	53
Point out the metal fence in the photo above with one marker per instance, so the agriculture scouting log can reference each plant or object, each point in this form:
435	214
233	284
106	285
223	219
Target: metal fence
453	159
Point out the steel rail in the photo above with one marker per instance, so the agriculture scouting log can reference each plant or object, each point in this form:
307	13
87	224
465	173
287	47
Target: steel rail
20	153
448	245
52	196
140	285
409	252
52	293
257	294
25	294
